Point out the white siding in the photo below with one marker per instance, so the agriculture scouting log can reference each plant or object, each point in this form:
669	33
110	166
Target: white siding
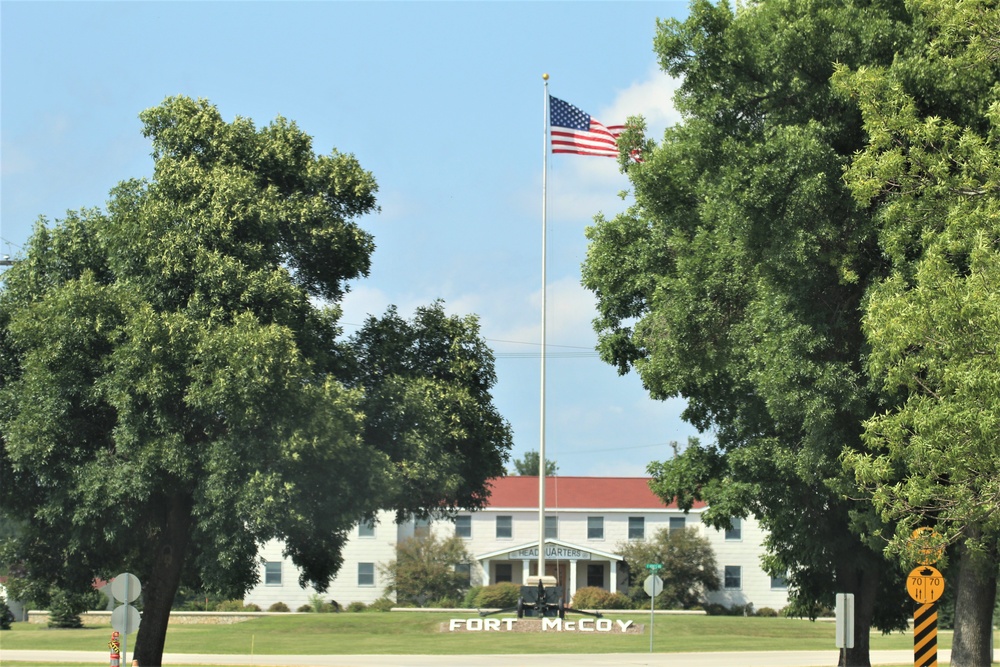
344	589
572	529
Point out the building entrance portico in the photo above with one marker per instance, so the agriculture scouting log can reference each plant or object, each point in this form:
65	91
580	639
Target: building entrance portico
574	566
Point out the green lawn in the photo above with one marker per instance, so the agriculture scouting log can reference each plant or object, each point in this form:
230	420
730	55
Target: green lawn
418	633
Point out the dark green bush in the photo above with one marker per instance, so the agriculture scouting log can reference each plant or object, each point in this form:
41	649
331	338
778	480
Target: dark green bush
278	606
356	606
317	604
6	617
236	605
594	597
470	597
767	611
445	603
502	595
305	608
382	604
716	609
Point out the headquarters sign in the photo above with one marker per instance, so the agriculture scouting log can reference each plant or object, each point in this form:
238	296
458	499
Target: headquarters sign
552	552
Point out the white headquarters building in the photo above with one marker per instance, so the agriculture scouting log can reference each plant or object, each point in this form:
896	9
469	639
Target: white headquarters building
586	518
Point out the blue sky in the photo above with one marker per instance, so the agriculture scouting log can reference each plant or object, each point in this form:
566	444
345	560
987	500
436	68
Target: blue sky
442	101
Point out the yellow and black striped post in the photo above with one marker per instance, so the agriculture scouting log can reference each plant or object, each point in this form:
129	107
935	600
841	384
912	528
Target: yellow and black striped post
925	633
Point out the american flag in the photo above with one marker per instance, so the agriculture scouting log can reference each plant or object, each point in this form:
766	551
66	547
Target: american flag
574	131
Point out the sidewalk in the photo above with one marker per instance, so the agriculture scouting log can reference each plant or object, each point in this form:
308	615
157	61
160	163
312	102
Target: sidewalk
751	659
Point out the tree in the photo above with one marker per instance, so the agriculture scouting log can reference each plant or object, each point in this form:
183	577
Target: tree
173	393
528	465
689	567
65	609
931	171
426	569
737	281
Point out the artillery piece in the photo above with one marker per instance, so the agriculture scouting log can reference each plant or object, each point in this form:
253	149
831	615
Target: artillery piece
541	598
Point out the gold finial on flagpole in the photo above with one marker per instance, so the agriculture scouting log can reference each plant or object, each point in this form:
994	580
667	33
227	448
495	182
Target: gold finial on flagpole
545	77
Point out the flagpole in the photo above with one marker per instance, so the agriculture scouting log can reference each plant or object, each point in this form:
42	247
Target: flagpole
541	446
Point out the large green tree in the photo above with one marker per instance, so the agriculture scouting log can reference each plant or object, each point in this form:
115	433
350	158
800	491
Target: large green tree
737	279
931	170
689	567
528	465
426	570
173	393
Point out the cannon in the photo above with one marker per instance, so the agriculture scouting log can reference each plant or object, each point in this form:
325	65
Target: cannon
540	597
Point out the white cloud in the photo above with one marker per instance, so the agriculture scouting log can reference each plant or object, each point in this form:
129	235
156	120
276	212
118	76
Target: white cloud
652	99
569	311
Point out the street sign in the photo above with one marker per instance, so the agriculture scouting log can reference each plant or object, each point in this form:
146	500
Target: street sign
845	620
925	584
929	546
125	619
653	585
126	588
654	566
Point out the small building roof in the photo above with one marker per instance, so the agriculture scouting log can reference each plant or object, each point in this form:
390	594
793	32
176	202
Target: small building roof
521	491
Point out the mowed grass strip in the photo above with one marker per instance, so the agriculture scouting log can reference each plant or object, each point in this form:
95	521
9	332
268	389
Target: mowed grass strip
419	633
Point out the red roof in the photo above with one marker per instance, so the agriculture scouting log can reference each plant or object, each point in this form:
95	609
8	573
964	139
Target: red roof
578	493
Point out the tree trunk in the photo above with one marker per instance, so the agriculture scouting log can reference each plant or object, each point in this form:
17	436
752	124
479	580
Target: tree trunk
164	579
974	599
862	580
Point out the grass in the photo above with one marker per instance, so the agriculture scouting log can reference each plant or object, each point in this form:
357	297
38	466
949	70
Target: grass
418	633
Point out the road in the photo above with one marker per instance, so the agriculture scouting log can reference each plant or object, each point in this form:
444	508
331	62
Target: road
747	659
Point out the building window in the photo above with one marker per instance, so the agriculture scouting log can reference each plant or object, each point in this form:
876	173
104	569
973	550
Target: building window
272	573
464	572
733	579
779	583
552	527
366	529
595	527
636	528
503	572
677	523
505	529
736	532
366	574
595	575
463	526
421	527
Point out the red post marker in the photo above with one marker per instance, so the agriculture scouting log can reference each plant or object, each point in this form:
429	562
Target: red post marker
116	650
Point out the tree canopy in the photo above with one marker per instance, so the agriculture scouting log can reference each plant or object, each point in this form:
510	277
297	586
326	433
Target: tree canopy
690	569
931	173
737	278
426	570
175	388
528	465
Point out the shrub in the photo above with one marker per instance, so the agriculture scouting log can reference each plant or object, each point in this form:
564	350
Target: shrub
502	595
382	604
278	606
236	605
444	603
317	604
741	609
304	608
767	611
469	601
229	605
356	606
593	597
6	617
716	609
